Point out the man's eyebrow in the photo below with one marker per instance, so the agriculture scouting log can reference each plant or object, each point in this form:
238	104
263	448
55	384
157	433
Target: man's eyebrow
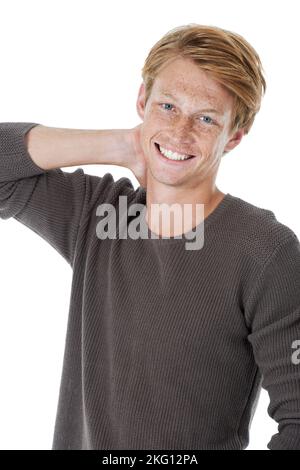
206	110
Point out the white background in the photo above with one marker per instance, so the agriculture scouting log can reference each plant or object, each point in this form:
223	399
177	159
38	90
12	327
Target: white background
77	64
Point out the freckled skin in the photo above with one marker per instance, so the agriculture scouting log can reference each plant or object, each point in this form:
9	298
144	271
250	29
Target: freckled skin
180	124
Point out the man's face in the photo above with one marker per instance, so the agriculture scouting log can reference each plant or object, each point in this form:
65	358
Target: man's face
185	122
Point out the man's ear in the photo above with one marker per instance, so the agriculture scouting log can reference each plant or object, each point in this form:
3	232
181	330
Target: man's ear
234	140
140	104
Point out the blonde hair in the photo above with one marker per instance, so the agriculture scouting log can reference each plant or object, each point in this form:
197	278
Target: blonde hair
228	58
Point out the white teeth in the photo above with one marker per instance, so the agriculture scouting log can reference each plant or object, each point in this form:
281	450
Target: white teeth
173	155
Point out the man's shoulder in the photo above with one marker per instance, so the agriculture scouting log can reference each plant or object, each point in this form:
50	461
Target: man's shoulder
108	188
258	229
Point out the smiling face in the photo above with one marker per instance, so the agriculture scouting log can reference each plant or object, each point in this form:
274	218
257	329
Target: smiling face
188	112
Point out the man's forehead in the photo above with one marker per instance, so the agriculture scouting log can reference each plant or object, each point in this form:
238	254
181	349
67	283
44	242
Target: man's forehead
203	99
210	90
183	93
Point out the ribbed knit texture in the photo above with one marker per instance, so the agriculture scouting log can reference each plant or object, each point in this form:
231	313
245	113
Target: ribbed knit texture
166	348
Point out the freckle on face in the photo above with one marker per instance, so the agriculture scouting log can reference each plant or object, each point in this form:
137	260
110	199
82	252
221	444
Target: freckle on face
183	78
193	90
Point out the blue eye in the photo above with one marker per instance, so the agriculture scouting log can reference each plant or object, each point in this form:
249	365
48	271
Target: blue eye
166	104
210	122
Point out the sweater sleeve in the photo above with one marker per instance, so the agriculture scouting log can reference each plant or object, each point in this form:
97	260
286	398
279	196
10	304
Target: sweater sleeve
273	309
53	202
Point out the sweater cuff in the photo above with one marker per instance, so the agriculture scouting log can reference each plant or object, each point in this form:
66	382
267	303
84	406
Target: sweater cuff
287	439
15	160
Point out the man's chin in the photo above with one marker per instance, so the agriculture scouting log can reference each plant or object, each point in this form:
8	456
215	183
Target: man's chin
163	179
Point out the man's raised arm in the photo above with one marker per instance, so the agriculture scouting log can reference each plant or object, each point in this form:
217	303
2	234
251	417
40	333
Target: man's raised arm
51	147
36	192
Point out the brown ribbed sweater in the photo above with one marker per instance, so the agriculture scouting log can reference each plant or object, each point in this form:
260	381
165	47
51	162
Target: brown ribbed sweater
166	348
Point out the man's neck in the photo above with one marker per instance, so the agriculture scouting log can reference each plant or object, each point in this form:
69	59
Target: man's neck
192	207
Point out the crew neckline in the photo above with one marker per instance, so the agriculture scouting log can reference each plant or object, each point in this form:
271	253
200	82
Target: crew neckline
208	223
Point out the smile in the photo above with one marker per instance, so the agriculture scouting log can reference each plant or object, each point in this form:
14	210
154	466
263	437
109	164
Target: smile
173	156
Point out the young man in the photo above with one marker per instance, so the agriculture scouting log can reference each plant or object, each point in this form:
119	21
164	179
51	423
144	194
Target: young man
166	348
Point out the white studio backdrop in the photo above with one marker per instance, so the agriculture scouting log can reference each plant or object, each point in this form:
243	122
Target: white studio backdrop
77	64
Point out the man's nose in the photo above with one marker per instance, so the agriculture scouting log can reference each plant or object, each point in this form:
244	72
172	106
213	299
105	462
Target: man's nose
183	128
